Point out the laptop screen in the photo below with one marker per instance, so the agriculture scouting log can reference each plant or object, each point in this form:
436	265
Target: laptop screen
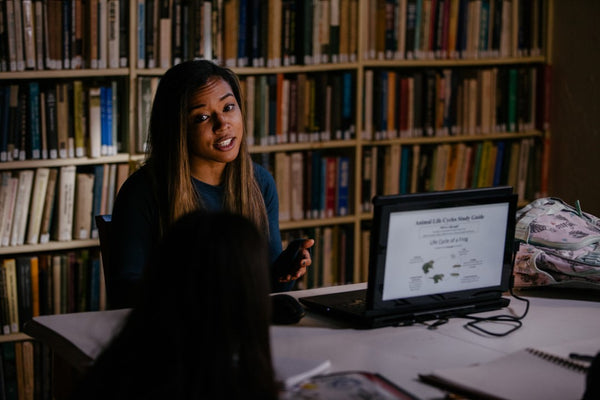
438	247
443	250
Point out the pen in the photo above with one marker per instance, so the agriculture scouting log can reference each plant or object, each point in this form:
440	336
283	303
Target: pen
578	208
581	357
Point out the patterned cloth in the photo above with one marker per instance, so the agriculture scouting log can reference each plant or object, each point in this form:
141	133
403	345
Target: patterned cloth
558	245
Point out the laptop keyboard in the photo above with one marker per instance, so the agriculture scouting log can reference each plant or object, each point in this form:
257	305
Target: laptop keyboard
353	301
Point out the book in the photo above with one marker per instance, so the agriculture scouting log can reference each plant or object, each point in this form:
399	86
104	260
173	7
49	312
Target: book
65	203
94	122
4	307
78	25
79	129
84	197
291	371
25	369
50	107
34	139
62	119
348	385
25	305
113	31
10	370
38	196
525	374
165	44
98	171
21	210
9	196
283	183
35	285
10	279
342	187
48	211
296	185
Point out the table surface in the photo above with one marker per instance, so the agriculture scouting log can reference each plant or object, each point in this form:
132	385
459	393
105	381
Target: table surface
558	325
401	353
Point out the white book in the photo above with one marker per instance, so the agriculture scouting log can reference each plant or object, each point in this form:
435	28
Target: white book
103	34
9	194
84	200
28	33
113	29
36	209
94	122
164	46
22	201
66	202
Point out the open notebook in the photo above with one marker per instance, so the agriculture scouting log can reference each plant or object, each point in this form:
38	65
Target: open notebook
432	255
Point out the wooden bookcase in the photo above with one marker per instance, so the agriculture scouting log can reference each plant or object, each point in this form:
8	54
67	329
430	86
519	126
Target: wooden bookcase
341	235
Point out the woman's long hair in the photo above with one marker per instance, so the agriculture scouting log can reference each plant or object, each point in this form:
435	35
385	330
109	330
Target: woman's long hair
168	154
201	326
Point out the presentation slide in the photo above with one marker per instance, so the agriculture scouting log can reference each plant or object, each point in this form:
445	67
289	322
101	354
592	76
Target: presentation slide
444	250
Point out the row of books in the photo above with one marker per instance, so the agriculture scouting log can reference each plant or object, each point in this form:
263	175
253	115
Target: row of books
49	283
280	108
310	184
25	370
57	34
448	101
240	33
332	256
420	168
302	107
454	29
65	119
44	204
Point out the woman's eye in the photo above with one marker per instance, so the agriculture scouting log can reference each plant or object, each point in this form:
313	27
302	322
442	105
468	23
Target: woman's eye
200	118
229	107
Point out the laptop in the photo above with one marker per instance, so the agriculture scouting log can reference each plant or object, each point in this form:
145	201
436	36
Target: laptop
432	255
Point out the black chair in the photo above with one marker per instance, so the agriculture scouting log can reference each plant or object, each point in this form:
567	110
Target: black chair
103	222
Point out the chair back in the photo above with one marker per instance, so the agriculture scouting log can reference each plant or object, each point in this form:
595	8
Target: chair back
103	222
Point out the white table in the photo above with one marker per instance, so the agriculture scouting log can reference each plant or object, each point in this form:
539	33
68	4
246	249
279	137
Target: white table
398	353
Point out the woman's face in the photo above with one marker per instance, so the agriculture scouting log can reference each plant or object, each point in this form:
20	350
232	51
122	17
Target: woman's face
215	127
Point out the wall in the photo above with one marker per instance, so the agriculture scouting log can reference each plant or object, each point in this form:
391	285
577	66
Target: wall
574	172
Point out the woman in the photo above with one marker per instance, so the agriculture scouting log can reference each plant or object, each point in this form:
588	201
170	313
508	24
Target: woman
182	342
197	159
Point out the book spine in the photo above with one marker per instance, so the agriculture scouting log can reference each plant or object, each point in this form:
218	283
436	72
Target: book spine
141	33
10	273
113	32
35	145
66	198
343	186
37	204
79	128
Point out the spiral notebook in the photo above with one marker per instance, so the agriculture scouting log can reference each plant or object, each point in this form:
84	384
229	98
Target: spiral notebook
432	255
523	375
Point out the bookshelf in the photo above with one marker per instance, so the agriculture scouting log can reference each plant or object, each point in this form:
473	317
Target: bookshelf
337	54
